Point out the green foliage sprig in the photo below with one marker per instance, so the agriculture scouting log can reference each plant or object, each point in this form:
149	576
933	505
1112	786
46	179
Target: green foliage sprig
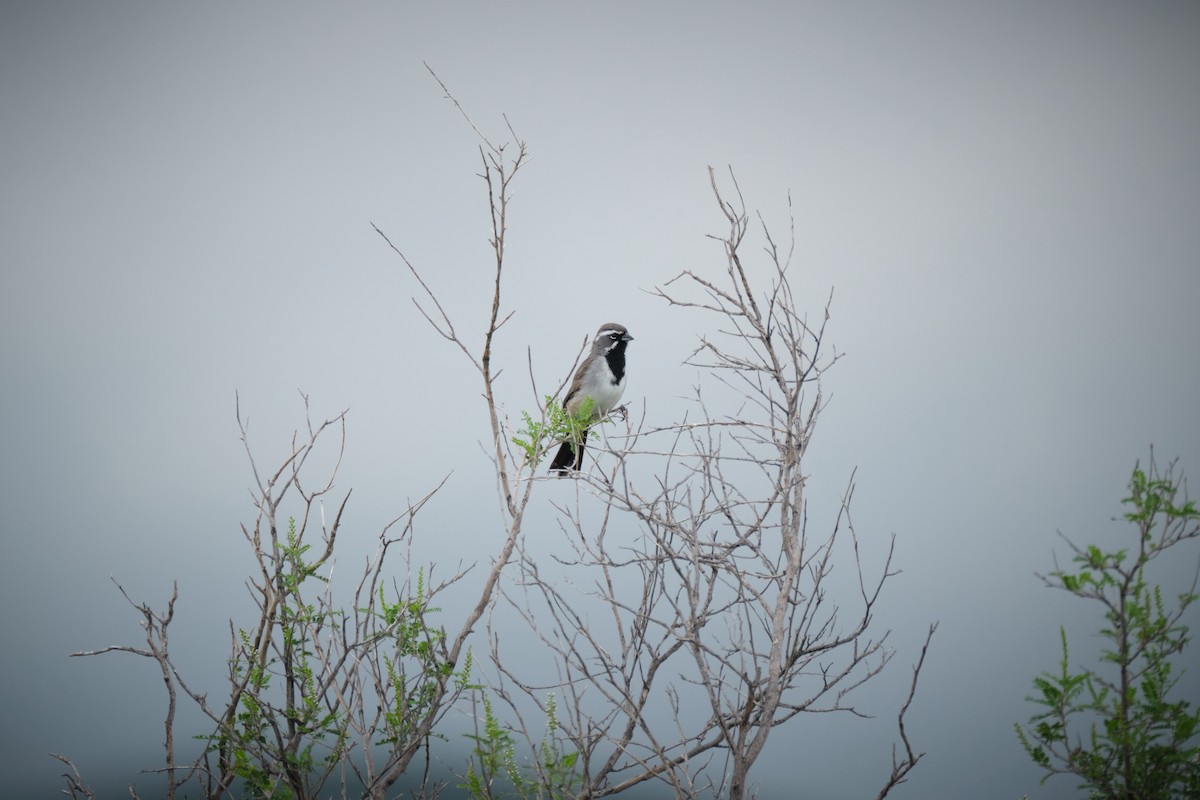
1135	742
557	425
554	776
283	739
288	733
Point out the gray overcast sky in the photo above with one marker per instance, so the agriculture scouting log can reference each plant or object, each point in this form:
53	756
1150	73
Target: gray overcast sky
1005	197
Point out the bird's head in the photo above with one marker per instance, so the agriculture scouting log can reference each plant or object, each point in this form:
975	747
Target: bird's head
611	335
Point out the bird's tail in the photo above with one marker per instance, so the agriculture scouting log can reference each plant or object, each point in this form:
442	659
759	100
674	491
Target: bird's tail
568	457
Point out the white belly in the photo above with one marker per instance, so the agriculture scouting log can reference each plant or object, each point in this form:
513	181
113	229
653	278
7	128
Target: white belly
607	396
598	385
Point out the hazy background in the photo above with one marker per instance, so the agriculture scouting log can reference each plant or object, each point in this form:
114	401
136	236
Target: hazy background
1005	196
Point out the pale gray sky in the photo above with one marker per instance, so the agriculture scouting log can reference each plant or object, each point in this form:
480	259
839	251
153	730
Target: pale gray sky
1005	196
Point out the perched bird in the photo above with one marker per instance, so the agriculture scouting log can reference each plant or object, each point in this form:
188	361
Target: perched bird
601	377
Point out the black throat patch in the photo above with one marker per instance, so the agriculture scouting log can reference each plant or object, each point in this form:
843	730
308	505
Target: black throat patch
616	361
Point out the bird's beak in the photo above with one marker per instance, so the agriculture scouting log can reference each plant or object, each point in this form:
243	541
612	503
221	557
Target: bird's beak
627	338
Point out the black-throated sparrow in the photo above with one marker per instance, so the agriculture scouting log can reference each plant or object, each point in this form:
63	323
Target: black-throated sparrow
601	377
